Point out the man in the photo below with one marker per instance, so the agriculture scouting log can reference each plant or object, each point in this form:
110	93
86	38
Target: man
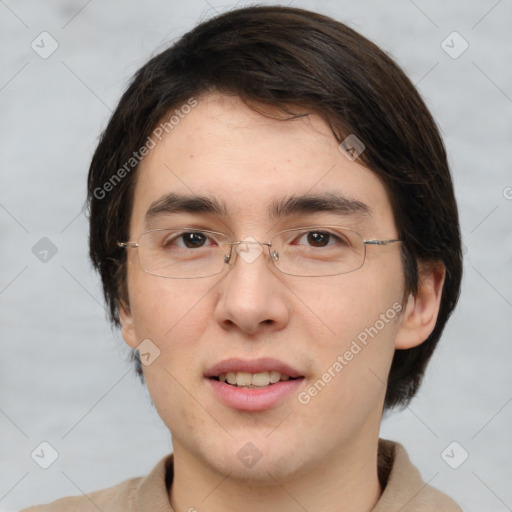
273	219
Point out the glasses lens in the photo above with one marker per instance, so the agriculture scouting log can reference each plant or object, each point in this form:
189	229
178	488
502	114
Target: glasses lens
318	251
182	253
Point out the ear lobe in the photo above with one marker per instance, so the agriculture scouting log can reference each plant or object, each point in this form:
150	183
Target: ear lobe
127	324
420	313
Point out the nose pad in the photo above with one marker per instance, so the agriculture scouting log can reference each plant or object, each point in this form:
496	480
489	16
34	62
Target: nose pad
249	250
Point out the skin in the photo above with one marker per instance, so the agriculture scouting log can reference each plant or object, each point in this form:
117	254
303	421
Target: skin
319	456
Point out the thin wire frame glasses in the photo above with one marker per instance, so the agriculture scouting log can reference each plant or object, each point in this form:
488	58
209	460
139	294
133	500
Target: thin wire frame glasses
191	253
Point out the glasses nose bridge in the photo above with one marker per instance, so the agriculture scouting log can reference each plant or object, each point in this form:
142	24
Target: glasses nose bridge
229	259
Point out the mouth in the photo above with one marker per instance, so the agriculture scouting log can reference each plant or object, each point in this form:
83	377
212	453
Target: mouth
253	385
253	380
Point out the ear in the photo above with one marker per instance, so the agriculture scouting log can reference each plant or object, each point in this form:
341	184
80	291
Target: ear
420	314
127	324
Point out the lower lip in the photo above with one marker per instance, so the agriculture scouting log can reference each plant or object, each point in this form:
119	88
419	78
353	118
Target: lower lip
254	399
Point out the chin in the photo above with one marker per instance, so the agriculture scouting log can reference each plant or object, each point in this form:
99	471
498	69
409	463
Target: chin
260	463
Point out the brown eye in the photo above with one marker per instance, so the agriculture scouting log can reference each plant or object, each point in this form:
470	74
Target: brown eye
186	240
193	240
318	238
321	239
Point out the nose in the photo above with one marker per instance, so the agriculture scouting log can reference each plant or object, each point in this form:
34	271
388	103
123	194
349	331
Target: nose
252	295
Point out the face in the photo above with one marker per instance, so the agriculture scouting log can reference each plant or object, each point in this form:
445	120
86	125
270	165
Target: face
335	336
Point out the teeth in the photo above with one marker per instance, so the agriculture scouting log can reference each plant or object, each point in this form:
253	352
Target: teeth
243	379
274	377
260	379
246	379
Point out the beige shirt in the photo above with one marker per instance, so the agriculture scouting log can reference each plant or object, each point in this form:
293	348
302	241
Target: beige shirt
404	490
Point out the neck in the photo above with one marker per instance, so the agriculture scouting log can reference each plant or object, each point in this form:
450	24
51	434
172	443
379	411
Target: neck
345	481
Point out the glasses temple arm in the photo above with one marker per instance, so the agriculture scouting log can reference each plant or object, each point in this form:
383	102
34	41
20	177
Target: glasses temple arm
128	245
382	242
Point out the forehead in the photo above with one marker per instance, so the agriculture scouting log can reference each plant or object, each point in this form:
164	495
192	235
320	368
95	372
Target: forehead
251	163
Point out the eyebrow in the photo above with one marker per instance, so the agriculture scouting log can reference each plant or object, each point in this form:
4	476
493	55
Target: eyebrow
178	203
312	203
285	207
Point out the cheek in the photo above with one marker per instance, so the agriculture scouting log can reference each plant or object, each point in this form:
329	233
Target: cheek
352	364
162	308
352	304
173	315
360	316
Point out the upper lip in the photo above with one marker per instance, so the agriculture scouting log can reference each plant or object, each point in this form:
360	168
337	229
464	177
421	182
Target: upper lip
265	364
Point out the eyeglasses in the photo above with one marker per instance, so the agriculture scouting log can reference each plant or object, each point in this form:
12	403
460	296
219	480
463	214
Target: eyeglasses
188	253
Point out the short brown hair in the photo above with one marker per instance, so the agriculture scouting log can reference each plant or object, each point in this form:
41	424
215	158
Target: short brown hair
286	57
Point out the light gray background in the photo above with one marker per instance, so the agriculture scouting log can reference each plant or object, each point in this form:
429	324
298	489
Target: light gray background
65	376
